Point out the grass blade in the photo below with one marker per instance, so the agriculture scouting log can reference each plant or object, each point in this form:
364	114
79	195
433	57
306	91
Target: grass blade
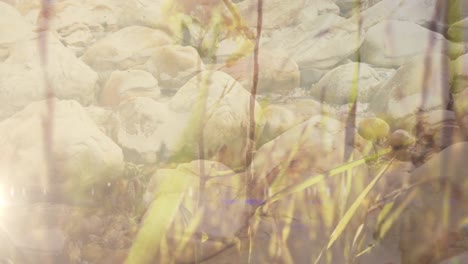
349	214
158	219
388	222
320	177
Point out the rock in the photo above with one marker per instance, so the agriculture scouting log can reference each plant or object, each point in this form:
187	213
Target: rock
384	73
22	76
314	8
306	107
83	157
402	94
174	65
276	13
10	2
377	13
336	86
421	12
221	105
125	49
401	139
320	47
101	117
224	209
419	234
318	144
147	130
324	6
151	131
405	41
123	85
277	73
13	27
423	232
307	14
311	76
347	5
345	112
446	135
148	14
80	24
278	119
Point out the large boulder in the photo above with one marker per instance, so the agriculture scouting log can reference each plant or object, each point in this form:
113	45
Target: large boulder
421	12
145	13
321	45
81	157
101	117
336	87
276	13
324	6
278	119
277	73
306	107
436	15
348	5
123	85
210	113
13	27
390	43
422	232
315	145
421	84
80	24
174	65
376	13
147	130
219	109
127	48
22	75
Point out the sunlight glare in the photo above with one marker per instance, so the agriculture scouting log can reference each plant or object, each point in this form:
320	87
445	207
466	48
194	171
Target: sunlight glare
3	202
